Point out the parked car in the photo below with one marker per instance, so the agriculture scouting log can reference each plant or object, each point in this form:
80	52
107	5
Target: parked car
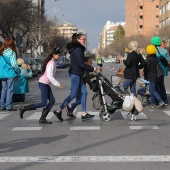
61	63
39	61
33	64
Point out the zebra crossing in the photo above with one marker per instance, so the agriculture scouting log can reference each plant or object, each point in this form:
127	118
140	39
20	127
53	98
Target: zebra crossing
96	121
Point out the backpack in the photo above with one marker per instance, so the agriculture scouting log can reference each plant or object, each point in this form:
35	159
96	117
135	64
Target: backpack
163	59
97	101
159	71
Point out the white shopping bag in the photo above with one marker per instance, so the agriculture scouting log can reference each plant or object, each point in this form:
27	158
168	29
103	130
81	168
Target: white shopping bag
128	103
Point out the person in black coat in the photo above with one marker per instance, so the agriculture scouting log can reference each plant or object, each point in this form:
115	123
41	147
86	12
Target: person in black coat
76	49
150	74
133	63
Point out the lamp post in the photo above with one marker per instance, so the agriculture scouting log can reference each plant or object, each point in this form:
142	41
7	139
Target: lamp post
55	17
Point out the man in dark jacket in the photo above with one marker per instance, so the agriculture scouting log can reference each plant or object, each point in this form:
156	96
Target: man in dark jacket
133	63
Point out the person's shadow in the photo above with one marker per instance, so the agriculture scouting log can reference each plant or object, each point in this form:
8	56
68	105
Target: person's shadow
20	144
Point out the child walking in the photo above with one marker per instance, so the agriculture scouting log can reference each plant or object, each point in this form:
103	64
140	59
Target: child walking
48	74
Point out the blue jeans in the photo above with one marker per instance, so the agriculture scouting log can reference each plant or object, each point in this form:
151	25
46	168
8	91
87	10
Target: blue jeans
154	93
78	91
141	91
130	83
7	93
46	94
162	90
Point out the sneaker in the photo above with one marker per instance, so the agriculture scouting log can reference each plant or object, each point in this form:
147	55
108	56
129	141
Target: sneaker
69	114
58	114
87	117
166	103
159	105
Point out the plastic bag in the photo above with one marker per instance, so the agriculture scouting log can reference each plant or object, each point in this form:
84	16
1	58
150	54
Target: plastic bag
138	105
128	103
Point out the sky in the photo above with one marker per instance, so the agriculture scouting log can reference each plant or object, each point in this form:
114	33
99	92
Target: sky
88	15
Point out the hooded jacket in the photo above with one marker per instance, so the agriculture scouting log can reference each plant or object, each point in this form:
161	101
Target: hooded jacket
77	65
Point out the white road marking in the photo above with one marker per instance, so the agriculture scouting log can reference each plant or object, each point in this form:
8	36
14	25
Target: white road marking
37	115
89	159
140	116
167	112
85	128
3	115
26	128
143	127
97	117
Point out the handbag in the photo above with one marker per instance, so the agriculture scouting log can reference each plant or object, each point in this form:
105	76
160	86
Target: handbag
120	72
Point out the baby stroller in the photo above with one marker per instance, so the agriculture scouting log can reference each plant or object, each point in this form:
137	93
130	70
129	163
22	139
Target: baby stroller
102	88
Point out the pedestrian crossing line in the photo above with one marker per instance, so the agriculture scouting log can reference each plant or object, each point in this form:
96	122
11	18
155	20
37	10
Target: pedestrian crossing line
143	127
3	115
96	117
85	128
37	115
167	112
140	116
89	159
26	128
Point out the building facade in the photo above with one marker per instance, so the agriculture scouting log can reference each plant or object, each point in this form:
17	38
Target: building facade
164	12
107	34
142	17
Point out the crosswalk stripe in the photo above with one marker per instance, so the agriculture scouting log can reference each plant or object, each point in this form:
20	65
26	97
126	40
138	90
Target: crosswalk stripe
143	127
65	159
37	115
26	128
3	115
167	112
85	128
140	116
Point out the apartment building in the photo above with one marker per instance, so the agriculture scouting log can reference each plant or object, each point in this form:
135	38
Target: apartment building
142	17
66	29
164	13
107	34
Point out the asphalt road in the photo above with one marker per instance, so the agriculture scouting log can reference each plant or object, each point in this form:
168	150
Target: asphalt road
120	144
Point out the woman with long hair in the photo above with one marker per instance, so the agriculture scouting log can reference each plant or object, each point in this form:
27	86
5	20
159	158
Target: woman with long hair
47	78
10	69
76	49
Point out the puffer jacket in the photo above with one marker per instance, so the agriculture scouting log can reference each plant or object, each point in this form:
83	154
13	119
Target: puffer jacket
133	63
77	65
150	71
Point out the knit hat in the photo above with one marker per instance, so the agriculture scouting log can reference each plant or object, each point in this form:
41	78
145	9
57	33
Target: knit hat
20	61
24	66
156	40
151	49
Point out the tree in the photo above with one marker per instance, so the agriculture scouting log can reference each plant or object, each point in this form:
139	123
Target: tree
18	16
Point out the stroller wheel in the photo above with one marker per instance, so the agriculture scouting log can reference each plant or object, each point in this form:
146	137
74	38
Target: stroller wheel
106	116
132	117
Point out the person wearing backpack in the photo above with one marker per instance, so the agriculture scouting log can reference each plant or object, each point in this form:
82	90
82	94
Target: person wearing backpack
156	41
150	74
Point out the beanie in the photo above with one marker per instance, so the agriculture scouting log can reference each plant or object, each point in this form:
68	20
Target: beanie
151	49
20	61
156	40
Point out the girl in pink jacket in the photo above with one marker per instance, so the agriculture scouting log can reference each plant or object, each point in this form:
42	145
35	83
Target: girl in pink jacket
47	78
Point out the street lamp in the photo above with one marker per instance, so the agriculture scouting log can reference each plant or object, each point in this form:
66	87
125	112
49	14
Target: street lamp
55	17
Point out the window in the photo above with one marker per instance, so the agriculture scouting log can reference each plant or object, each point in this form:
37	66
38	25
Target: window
157	16
157	26
140	17
157	6
141	7
141	26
